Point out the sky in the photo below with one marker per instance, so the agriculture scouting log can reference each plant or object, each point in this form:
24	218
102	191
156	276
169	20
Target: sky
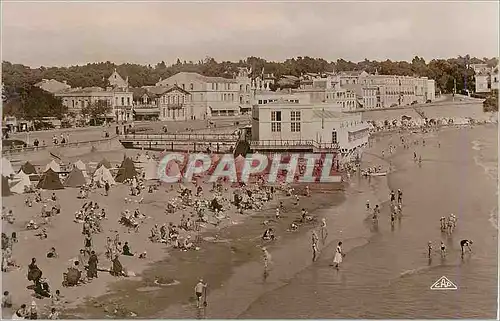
46	34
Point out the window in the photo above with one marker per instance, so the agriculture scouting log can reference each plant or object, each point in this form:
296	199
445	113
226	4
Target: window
276	127
295	127
276	121
260	101
184	86
191	87
123	101
213	86
128	101
334	137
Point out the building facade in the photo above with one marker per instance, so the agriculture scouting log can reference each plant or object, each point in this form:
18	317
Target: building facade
486	78
294	117
120	101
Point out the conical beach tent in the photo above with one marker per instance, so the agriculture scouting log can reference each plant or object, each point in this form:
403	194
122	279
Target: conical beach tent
126	171
7	169
151	170
239	163
80	165
104	162
28	168
54	166
75	178
102	175
23	181
5	187
50	180
172	169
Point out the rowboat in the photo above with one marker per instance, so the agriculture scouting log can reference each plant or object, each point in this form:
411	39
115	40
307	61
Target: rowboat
378	174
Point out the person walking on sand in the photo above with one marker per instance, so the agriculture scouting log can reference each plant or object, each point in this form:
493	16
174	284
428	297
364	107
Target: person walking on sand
314	242
337	258
199	289
267	260
324	231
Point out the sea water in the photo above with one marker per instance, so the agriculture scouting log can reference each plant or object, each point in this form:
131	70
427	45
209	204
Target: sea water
388	275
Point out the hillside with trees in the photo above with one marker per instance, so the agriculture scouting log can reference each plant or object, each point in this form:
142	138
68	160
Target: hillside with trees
18	79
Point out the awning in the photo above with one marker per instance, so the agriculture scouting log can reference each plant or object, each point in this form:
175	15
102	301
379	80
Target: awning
224	108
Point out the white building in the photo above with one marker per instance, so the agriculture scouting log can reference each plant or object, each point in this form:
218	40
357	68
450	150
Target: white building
486	78
119	99
293	121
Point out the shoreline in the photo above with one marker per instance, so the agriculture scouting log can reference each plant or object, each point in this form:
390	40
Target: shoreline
119	289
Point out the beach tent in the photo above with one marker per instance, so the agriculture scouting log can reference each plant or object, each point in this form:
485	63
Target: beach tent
5	187
28	168
104	162
7	169
173	169
126	171
239	163
75	178
102	175
151	170
142	158
50	180
80	165
23	180
54	166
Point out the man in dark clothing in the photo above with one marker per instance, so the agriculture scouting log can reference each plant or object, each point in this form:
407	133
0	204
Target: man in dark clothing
92	269
126	250
465	243
106	188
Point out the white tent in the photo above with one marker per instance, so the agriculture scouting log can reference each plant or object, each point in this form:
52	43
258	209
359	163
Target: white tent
55	166
81	166
22	180
102	174
142	158
151	170
7	169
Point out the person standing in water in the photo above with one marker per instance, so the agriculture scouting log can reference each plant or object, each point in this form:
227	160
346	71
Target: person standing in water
267	260
376	212
337	258
314	242
400	196
198	290
324	231
367	205
443	250
429	249
466	243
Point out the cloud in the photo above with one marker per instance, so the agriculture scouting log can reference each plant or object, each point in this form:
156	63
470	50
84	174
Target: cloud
65	33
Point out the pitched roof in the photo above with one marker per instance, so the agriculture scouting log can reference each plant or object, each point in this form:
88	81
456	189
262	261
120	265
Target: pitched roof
199	77
160	90
138	93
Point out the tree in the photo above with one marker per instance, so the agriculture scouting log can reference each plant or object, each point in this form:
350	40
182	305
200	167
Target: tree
491	102
33	103
96	110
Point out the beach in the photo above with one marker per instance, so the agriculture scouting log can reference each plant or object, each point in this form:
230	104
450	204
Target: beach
385	273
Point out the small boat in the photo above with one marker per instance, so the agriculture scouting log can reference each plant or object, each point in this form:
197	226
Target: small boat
378	174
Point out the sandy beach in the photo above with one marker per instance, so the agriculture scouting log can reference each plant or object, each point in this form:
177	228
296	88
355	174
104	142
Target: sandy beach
229	258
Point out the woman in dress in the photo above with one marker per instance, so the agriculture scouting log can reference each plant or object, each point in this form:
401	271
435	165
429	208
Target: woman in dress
337	259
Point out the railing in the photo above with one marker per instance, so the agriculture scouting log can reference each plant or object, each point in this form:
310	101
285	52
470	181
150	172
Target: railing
292	143
18	150
180	137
